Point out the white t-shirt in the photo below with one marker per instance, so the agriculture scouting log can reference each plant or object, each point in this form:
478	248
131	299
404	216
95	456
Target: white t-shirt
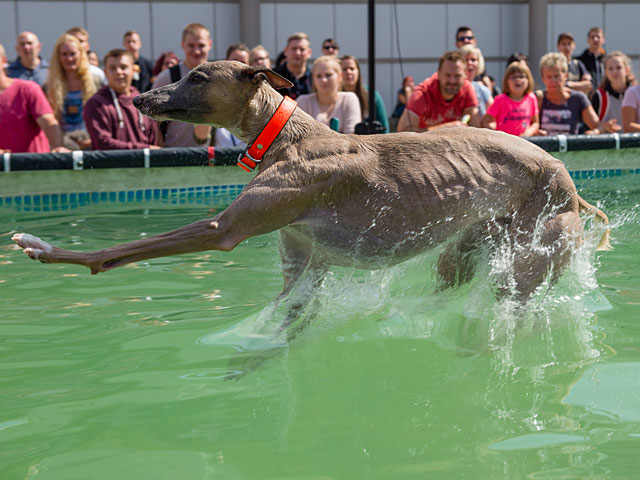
632	99
98	72
346	110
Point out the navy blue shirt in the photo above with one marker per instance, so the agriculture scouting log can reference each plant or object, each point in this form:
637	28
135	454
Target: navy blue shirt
301	86
38	74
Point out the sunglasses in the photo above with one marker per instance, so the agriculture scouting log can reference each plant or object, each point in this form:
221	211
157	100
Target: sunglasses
462	39
330	47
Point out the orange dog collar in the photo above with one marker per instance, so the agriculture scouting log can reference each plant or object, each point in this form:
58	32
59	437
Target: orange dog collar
252	156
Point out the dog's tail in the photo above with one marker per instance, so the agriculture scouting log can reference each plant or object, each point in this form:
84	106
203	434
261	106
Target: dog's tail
600	215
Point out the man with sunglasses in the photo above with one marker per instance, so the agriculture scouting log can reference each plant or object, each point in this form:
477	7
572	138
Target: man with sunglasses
330	47
464	35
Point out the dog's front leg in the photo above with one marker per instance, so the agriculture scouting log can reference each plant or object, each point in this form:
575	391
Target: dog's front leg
206	234
264	206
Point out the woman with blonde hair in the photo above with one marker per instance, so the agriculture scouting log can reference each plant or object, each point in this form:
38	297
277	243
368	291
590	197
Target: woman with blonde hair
328	104
475	66
69	85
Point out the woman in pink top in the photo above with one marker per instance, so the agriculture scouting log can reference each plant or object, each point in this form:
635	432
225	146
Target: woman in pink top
516	110
328	103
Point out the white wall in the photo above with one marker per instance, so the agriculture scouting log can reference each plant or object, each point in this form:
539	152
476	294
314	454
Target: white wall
426	29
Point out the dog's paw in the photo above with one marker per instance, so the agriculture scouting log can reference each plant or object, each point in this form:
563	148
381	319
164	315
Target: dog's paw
34	247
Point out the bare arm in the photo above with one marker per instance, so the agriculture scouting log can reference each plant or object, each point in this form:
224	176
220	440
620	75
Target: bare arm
629	120
533	128
474	113
51	128
409	122
488	121
592	121
202	133
583	85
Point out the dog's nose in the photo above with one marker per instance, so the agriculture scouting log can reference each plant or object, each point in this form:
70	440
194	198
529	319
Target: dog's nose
138	101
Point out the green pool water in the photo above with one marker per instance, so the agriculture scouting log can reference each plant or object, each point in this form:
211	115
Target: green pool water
121	375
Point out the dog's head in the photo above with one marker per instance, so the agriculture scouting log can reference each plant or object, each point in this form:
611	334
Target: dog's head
213	93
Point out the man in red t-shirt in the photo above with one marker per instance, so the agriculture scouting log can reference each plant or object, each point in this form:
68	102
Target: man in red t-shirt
444	99
27	122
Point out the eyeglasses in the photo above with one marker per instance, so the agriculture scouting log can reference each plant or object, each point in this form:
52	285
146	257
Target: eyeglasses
330	47
468	37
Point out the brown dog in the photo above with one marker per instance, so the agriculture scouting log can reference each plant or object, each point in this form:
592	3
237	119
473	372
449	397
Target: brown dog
362	201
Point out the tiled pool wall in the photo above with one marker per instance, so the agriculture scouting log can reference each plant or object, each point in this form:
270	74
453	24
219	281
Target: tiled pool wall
213	195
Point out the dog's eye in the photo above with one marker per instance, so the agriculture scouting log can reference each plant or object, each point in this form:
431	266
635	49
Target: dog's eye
196	78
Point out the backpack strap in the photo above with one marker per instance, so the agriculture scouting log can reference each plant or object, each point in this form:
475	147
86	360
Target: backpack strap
604	103
174	71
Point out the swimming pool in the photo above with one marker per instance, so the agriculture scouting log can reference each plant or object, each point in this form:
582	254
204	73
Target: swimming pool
121	374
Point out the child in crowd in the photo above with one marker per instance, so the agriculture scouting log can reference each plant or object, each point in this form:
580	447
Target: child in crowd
607	99
561	108
516	110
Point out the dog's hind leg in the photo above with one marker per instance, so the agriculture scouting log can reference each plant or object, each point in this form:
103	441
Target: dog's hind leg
544	233
457	263
303	274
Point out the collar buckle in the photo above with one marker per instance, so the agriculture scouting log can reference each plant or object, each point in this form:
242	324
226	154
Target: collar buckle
247	162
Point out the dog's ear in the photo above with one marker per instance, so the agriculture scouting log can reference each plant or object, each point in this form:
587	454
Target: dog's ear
264	73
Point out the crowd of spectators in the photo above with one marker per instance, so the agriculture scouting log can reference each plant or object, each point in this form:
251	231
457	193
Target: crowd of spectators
592	93
70	103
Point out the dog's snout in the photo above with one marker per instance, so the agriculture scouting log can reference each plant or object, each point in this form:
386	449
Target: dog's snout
138	101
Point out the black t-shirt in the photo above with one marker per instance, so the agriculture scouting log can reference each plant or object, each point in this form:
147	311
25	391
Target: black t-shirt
142	74
593	64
